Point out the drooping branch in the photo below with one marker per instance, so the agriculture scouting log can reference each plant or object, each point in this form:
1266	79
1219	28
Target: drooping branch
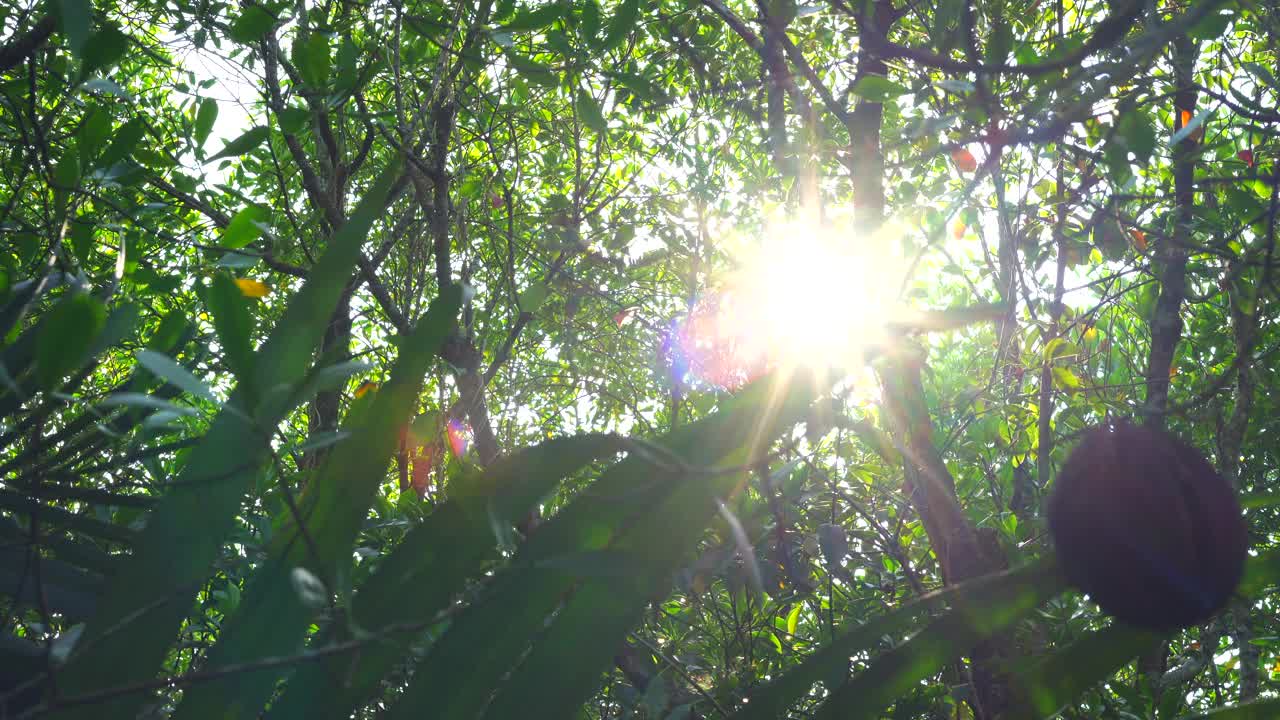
20	47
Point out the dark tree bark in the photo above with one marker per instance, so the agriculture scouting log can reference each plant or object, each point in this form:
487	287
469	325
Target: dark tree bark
1166	323
927	483
21	47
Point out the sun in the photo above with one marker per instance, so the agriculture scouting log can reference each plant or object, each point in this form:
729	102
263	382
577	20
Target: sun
804	295
817	294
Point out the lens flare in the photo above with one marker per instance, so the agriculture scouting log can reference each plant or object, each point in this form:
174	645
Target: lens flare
808	295
459	435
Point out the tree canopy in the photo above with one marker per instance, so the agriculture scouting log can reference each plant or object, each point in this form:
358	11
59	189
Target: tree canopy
620	359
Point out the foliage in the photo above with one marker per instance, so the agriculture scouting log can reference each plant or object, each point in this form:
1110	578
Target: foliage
346	363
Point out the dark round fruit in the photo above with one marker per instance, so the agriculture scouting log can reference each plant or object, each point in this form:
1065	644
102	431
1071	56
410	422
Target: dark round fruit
1146	526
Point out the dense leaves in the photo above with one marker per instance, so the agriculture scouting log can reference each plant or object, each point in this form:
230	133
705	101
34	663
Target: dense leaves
608	358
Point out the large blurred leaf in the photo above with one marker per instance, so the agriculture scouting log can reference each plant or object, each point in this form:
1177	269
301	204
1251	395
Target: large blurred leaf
66	335
75	17
1044	688
990	609
487	639
832	659
174	374
429	566
273	617
55	584
139	614
123	141
233	323
1261	710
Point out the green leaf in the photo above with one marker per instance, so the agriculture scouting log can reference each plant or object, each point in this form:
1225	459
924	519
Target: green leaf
244	227
125	139
1059	348
75	18
621	24
334	377
348	64
1001	39
533	297
322	439
793	618
1139	135
622	237
639	507
832	659
66	335
251	25
206	115
590	20
276	610
148	402
1110	238
1262	73
533	71
233	324
466	524
534	19
250	139
128	637
943	641
94	131
66	177
1260	710
103	50
1212	25
293	119
425	429
82	239
171	372
57	517
638	86
311	57
1045	687
589	112
877	89
169	333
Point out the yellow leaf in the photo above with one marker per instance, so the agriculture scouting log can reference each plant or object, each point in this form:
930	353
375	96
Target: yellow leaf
1065	379
365	387
1091	334
252	288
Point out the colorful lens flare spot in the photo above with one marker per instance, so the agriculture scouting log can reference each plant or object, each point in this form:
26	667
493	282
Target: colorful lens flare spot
459	435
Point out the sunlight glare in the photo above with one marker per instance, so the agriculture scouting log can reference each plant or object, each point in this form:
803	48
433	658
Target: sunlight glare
815	296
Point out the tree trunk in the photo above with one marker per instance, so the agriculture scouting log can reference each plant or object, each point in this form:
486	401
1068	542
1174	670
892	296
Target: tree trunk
1166	323
927	483
335	347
